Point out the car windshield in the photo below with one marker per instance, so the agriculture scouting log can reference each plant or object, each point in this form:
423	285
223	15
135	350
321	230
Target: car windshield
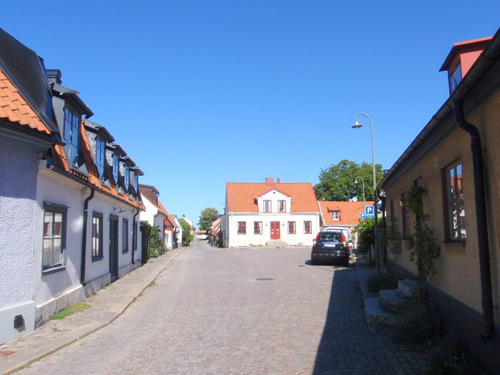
332	236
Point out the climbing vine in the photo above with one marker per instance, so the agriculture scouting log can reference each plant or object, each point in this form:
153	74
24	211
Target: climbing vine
425	248
392	237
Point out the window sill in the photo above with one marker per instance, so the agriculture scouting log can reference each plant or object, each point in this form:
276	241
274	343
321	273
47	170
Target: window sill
49	271
457	244
96	259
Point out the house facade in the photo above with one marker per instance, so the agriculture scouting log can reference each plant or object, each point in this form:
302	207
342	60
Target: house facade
456	159
69	199
259	214
343	215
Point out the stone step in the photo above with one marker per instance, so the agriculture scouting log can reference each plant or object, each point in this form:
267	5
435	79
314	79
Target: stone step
407	287
374	313
393	300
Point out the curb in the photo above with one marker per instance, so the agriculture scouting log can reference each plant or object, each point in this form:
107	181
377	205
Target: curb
68	338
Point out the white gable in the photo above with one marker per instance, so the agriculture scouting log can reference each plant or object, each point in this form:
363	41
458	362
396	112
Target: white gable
274	201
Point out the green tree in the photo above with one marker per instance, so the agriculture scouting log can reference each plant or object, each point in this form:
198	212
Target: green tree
337	182
206	218
187	231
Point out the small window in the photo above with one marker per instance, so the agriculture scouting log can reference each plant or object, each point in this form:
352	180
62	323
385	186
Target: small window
307	227
97	252
267	205
72	135
125	236
257	227
100	156
54	237
291	227
242	227
455	78
455	204
335	215
116	165
126	178
281	206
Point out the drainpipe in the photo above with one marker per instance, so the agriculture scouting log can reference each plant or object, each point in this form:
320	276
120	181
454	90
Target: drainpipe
134	234
482	227
84	236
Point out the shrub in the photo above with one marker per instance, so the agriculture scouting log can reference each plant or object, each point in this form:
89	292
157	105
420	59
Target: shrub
418	325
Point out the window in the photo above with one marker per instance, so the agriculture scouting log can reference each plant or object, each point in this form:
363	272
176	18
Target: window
126	178
405	214
71	135
291	227
455	78
455	204
97	252
242	227
125	235
267	206
54	237
100	156
257	227
136	182
307	227
335	215
116	164
281	206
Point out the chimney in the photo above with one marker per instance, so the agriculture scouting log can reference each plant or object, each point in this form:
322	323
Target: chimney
270	181
278	181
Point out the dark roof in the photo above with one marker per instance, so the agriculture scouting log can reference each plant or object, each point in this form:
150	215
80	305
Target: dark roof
26	71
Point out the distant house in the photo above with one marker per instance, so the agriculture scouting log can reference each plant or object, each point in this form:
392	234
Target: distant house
270	213
157	215
69	200
342	214
456	159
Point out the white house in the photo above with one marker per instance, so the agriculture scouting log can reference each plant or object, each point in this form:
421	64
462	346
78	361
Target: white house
270	213
69	196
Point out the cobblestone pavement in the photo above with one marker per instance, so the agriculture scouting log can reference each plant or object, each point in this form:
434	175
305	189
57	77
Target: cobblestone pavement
238	311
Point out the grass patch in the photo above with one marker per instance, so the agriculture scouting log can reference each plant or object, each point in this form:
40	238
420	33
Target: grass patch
77	307
381	281
151	284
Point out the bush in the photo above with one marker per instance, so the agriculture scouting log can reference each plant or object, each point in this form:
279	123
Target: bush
381	281
418	325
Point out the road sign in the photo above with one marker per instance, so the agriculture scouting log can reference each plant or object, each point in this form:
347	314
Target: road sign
369	210
362	215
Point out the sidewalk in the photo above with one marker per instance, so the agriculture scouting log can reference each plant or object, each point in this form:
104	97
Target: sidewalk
106	305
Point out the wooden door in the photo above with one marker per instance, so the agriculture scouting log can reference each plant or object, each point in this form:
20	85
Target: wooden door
275	230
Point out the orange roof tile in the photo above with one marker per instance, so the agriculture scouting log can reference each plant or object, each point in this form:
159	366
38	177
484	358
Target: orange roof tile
349	212
15	109
241	196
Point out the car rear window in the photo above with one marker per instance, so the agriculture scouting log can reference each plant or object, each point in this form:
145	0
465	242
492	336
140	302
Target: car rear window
332	236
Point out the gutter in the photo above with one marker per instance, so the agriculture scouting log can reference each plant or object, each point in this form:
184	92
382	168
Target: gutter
481	220
84	236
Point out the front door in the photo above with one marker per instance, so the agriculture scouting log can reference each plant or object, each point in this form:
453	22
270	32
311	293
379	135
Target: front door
275	230
113	247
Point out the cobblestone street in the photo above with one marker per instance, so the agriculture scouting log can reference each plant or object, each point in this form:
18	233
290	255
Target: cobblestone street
240	311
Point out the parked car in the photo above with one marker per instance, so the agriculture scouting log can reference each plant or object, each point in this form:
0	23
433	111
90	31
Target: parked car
330	247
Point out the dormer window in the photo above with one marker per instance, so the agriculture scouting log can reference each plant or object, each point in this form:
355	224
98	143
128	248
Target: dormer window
116	168
281	206
100	156
72	135
267	205
136	182
126	178
455	78
335	215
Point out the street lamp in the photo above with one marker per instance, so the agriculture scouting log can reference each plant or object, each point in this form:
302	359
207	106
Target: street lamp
363	181
357	125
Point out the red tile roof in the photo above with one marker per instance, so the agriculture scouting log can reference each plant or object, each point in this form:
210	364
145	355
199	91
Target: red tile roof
15	109
349	212
241	196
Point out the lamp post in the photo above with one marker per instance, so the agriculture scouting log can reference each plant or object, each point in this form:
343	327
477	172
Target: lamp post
363	181
357	125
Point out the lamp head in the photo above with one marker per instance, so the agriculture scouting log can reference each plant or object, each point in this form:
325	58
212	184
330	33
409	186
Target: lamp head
356	180
357	125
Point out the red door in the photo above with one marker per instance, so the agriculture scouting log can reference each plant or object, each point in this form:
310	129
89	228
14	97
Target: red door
275	230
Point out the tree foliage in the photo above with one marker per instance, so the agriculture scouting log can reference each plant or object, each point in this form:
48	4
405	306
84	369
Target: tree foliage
206	218
187	231
337	182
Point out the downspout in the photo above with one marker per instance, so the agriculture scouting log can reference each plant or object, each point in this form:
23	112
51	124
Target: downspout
84	236
134	234
482	227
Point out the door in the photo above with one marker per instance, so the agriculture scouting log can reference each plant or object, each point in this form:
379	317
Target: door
275	230
113	247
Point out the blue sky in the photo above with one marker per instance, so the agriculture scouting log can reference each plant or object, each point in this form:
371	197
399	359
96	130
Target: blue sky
200	93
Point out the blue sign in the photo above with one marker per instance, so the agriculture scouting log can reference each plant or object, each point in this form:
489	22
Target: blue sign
362	215
369	210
